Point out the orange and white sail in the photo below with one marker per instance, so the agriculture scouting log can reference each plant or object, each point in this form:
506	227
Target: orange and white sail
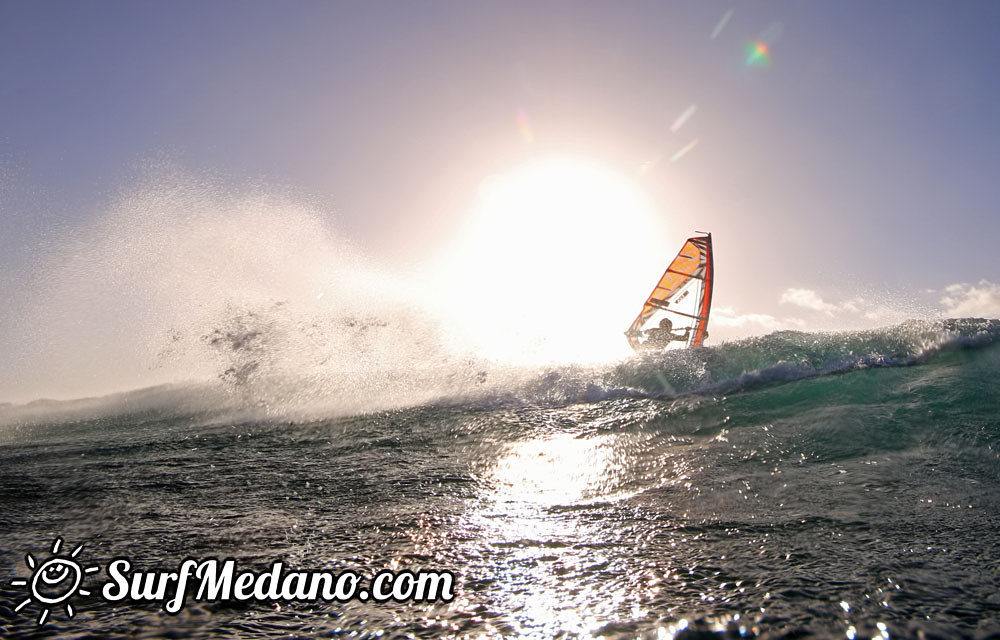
683	295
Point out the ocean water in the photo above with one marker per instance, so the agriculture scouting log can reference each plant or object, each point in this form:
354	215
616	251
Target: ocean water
795	484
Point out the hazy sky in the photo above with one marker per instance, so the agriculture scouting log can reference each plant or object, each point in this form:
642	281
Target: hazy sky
857	157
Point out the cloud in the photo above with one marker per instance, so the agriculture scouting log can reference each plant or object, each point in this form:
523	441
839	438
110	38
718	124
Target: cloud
809	299
728	317
963	300
855	305
875	308
730	324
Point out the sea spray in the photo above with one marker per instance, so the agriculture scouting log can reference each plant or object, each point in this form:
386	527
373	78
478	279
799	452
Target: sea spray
183	279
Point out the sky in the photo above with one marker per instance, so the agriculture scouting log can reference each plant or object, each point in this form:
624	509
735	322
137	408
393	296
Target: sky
842	154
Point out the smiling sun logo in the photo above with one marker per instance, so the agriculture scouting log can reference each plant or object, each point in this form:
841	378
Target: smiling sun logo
54	581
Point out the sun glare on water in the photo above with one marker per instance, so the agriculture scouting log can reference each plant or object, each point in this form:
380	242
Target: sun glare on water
552	264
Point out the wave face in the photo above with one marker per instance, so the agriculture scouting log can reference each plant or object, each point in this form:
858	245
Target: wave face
797	483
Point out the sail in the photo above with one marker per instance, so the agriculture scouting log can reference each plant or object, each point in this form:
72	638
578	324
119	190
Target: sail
683	297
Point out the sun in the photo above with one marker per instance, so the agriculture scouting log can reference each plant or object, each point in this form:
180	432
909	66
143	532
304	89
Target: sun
552	263
54	581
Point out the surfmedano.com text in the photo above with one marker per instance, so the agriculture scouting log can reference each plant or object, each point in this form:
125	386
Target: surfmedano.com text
213	580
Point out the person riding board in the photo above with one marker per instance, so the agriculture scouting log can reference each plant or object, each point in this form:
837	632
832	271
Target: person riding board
660	337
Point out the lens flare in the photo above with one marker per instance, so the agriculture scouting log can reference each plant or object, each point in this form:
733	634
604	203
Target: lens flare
683	152
684	117
758	54
721	24
524	126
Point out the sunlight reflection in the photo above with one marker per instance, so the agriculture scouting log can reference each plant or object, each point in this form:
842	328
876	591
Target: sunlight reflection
558	470
548	568
549	527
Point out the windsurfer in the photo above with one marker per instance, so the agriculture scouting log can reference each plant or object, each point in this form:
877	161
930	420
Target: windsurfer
684	293
661	336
